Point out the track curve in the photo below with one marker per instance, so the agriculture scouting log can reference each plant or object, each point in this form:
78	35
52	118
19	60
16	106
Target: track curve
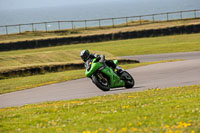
160	75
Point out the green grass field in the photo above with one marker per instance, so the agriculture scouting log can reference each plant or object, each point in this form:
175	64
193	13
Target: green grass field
167	110
112	49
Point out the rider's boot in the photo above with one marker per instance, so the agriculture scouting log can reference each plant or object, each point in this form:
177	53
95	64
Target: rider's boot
119	70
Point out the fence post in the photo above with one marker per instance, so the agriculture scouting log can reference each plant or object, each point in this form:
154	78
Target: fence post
126	21
113	24
32	27
195	13
140	19
72	25
86	24
167	17
45	26
181	15
153	18
6	29
58	25
19	28
99	23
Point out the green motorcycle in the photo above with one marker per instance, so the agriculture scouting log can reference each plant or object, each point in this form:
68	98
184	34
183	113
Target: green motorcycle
105	77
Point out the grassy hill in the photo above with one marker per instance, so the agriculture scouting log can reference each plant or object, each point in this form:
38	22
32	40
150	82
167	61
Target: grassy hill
112	49
158	110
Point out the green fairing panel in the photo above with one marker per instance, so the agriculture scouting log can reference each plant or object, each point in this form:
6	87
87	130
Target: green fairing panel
114	78
115	61
93	69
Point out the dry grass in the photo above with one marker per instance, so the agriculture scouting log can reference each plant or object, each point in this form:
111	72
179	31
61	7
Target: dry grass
111	49
27	59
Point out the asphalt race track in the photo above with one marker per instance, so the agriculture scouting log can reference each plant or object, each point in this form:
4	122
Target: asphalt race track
162	75
167	56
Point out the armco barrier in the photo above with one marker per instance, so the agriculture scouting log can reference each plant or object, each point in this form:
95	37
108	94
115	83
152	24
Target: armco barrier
99	38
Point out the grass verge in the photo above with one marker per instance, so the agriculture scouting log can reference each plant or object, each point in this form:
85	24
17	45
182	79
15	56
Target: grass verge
21	83
158	110
112	49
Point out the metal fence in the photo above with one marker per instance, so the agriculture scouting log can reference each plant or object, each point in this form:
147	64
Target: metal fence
99	23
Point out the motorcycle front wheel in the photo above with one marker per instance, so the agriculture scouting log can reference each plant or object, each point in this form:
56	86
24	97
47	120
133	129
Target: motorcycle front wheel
101	81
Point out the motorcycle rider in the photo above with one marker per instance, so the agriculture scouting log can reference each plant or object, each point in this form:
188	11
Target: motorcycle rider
86	55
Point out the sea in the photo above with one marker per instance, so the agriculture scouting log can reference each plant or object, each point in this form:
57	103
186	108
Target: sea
100	10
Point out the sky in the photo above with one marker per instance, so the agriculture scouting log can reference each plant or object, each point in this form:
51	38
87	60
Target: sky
23	4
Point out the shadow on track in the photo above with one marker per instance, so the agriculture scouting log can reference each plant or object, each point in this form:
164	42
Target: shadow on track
119	89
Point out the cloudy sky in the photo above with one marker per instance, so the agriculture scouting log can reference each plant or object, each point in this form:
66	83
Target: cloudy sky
21	4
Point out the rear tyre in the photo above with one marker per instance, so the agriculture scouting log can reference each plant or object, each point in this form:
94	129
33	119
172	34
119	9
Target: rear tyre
101	82
128	79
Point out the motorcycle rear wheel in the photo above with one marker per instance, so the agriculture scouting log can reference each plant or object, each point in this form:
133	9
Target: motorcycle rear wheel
102	84
128	79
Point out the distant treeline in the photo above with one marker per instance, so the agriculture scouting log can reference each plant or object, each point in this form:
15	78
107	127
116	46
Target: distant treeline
99	38
34	70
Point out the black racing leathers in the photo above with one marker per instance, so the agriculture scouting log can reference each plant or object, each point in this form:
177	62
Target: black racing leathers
109	63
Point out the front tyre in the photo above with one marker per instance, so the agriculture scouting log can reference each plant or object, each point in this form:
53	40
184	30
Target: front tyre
128	79
101	82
